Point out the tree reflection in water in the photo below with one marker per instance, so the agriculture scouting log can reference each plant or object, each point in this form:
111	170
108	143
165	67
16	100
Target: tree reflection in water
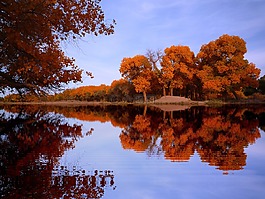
31	142
219	135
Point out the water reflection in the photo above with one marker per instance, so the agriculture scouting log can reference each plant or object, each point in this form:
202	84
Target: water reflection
219	135
31	142
75	183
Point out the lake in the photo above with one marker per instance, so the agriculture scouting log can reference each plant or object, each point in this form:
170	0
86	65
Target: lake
132	152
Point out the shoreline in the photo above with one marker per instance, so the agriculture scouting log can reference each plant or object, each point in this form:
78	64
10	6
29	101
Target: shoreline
166	106
154	103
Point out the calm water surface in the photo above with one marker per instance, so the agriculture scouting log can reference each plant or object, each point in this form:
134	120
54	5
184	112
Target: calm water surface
132	152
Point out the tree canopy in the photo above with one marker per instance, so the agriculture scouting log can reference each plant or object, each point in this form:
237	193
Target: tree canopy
31	59
219	69
177	67
137	70
223	66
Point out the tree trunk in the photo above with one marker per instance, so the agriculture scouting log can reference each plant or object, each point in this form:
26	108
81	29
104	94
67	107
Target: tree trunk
155	68
164	91
171	91
145	98
234	93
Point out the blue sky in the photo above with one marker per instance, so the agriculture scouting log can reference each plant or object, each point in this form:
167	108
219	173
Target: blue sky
158	24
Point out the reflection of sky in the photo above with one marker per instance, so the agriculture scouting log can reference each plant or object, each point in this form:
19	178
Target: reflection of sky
256	157
138	176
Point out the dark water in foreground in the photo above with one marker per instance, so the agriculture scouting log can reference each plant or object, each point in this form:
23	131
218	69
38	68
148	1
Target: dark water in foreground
132	152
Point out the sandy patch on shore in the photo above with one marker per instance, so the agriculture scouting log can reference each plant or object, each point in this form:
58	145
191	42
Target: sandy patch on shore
174	103
172	99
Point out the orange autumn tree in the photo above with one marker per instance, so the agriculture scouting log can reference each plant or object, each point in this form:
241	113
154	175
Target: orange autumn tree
155	58
121	90
138	71
224	69
177	68
31	58
84	93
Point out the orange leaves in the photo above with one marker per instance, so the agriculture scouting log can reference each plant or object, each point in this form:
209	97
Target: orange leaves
84	93
31	31
141	84
167	73
130	68
137	70
219	69
177	67
224	67
212	85
90	89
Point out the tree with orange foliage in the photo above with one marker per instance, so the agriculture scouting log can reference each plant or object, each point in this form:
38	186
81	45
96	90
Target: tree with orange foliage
84	93
121	90
155	58
137	70
31	58
223	67
177	68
